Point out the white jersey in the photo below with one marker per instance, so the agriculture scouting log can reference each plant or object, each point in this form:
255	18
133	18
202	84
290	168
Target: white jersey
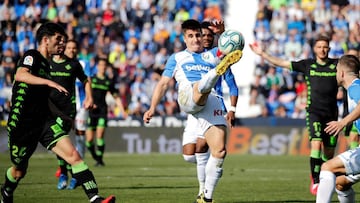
354	99
351	158
187	66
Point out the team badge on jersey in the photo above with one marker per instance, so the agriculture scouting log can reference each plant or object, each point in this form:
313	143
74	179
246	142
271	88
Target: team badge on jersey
206	56
28	60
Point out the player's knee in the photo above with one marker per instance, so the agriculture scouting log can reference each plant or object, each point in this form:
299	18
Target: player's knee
326	166
73	157
219	154
19	174
189	158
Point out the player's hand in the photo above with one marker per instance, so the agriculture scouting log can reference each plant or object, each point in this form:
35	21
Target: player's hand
148	115
89	103
230	118
256	48
334	127
58	87
217	26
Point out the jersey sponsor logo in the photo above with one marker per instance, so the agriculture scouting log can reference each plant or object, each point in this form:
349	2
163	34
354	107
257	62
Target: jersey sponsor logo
28	60
60	74
322	74
197	68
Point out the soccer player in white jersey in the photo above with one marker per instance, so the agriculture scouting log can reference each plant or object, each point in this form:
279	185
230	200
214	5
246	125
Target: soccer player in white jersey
81	115
343	170
195	149
196	73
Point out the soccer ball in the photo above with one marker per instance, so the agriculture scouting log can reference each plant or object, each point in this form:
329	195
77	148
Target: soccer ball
230	40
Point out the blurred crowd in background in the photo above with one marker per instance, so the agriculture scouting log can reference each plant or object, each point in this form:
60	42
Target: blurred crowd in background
137	37
287	29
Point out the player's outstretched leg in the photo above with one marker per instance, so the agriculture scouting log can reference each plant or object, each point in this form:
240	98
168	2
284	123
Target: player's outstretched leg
227	61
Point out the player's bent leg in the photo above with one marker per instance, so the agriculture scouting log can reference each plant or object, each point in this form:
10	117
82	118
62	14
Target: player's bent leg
65	149
328	178
345	192
326	187
215	137
12	178
189	152
346	196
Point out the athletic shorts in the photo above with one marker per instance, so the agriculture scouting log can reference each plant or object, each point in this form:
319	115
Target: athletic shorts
81	119
23	141
55	129
96	121
316	125
191	131
212	114
351	161
351	128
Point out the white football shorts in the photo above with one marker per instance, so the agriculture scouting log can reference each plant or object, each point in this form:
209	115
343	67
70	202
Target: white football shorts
351	160
191	131
81	119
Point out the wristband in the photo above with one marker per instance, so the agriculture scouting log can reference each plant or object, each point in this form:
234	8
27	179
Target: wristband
232	108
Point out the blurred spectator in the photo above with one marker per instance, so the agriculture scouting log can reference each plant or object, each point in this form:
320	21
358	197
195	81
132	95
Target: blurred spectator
337	45
50	11
25	45
280	112
171	105
66	15
300	105
277	24
182	15
32	11
160	59
257	103
213	11
7	11
293	48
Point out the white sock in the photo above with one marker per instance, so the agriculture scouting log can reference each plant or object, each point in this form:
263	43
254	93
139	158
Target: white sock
326	187
190	158
347	196
201	160
80	145
213	173
208	81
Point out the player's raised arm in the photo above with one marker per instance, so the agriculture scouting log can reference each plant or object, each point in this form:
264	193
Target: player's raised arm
274	60
158	93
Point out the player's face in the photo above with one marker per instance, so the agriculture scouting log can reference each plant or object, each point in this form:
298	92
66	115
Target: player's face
101	66
71	50
321	50
208	38
193	40
339	74
56	44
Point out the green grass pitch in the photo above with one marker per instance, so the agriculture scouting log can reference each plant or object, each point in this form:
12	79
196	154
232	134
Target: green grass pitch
166	178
